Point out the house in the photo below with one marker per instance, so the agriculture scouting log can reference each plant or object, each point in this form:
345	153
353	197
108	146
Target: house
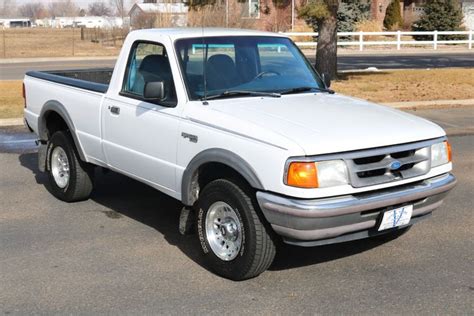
156	13
412	9
468	11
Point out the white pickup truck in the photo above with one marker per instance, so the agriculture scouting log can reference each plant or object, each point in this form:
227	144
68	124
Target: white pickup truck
240	128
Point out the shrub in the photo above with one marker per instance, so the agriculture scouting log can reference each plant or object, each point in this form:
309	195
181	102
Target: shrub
393	16
439	15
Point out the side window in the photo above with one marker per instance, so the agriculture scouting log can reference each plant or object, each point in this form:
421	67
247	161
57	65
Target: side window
148	62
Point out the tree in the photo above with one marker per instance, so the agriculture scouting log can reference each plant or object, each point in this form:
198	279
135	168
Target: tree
350	13
99	9
32	10
439	15
63	8
322	16
119	6
393	16
7	8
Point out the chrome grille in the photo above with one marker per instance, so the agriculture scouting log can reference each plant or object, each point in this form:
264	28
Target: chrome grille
387	165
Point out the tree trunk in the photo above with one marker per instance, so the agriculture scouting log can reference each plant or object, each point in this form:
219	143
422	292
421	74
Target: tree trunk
326	52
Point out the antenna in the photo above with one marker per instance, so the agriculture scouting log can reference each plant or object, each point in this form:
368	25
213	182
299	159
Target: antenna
204	60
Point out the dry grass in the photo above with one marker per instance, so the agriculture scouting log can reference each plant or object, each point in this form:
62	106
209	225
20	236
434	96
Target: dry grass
38	42
409	85
11	100
395	86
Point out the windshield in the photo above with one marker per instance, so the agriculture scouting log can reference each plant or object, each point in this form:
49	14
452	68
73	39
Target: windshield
214	66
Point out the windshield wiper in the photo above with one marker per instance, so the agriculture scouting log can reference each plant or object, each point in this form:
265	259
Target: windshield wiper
305	89
232	93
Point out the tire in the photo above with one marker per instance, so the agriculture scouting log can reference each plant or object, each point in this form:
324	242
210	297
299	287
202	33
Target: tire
70	178
253	244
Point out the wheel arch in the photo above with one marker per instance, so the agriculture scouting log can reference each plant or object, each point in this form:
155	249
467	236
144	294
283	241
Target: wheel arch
58	111
226	161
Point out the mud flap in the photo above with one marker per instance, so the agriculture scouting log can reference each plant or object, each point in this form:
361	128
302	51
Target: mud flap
186	221
42	156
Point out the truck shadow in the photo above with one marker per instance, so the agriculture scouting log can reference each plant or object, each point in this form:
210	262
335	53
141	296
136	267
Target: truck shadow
123	196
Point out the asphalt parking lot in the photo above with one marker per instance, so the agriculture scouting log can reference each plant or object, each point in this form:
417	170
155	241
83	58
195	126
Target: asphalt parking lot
120	252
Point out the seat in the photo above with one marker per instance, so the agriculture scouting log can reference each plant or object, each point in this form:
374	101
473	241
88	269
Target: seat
154	68
221	72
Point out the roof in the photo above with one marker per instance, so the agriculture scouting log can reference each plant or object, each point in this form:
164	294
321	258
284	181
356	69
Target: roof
186	32
162	7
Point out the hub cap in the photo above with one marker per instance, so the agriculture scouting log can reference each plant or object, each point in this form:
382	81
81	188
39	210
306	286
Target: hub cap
223	231
60	167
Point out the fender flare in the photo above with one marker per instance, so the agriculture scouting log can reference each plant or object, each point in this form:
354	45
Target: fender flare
218	155
58	108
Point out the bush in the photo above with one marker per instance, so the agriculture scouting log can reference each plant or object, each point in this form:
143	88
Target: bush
440	15
393	16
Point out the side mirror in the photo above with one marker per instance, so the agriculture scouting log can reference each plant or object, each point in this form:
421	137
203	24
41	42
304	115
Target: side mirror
326	80
154	91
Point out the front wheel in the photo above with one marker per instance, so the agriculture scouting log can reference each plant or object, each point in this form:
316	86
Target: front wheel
70	178
234	238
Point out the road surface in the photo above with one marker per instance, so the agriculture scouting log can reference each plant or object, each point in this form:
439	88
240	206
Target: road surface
345	62
120	253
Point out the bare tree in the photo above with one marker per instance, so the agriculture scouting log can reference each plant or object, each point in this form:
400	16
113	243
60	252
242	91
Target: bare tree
7	8
99	9
63	8
119	6
32	10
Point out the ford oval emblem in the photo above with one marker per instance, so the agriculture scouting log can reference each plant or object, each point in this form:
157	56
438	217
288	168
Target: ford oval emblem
395	165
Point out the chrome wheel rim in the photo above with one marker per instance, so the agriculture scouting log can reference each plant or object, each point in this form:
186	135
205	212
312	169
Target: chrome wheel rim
223	231
60	167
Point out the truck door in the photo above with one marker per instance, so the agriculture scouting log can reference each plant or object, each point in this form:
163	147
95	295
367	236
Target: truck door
140	135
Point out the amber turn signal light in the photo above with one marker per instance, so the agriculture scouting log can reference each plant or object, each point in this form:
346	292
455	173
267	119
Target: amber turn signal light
302	175
448	150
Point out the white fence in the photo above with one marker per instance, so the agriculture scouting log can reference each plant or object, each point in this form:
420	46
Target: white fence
397	38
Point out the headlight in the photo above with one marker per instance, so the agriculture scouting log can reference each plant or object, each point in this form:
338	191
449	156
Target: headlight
440	154
316	174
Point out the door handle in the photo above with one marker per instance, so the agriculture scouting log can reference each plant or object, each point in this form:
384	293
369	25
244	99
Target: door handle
114	110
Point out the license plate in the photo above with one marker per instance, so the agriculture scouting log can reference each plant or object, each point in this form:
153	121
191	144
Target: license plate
397	217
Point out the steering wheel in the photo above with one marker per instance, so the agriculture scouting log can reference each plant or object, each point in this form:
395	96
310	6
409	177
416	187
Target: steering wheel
264	73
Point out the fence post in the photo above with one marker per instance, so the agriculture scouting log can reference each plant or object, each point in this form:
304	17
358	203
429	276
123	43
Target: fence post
361	41
5	44
470	39
435	40
399	38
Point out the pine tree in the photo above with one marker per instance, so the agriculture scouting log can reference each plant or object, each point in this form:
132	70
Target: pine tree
439	15
393	16
350	13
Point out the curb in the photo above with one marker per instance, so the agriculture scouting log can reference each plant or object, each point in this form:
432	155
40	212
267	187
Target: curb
436	104
11	122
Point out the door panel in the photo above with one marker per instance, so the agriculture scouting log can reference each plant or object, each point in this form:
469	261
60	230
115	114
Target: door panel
139	136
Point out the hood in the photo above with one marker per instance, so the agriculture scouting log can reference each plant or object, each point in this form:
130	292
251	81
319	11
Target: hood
323	123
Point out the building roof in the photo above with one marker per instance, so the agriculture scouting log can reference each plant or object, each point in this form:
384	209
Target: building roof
168	7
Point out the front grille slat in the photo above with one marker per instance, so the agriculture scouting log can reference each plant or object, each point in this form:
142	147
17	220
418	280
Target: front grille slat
389	165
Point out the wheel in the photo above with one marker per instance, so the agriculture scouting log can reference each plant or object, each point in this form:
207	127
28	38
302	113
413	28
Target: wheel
70	178
236	241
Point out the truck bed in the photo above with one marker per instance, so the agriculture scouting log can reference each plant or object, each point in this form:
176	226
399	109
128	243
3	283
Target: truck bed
96	79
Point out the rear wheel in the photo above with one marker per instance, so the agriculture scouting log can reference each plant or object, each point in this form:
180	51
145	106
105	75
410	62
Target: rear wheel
236	242
70	178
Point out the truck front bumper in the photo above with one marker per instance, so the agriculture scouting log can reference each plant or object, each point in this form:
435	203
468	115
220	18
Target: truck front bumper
343	218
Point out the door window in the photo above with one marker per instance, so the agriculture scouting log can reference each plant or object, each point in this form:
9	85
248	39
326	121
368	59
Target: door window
148	62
